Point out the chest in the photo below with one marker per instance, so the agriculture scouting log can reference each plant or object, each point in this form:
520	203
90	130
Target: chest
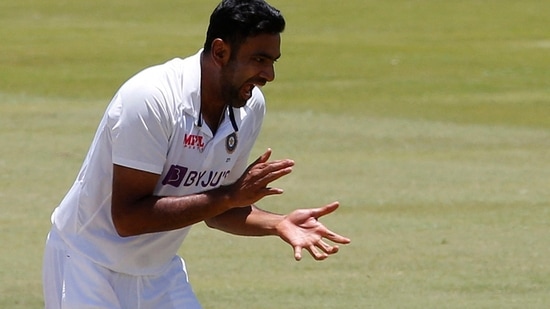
197	161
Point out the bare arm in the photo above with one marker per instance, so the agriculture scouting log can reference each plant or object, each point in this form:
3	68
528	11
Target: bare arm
301	228
135	210
246	221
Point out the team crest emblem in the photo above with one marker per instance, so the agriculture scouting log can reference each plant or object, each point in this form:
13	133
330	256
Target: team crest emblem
231	142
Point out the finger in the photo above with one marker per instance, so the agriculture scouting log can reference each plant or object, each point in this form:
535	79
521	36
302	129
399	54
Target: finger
297	253
271	171
275	172
263	158
325	210
336	237
328	249
260	160
318	255
272	191
269	167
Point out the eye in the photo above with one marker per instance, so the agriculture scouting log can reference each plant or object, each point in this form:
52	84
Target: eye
263	60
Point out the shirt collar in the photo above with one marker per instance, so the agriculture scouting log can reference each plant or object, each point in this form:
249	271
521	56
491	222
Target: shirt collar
191	83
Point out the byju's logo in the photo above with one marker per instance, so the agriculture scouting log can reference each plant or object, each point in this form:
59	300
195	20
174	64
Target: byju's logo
182	176
193	141
175	175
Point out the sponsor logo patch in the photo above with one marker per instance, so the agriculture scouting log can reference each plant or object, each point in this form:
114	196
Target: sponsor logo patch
193	141
181	176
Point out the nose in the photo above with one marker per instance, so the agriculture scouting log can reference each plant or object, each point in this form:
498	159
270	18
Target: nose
268	73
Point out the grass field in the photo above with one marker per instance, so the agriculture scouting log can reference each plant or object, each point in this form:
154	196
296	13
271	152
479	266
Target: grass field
428	120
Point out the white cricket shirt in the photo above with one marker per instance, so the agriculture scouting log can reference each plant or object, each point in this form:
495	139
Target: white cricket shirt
153	124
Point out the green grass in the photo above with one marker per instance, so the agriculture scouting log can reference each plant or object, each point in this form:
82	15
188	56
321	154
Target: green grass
428	120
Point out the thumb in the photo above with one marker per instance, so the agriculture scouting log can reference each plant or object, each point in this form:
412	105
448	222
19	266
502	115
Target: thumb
325	210
263	158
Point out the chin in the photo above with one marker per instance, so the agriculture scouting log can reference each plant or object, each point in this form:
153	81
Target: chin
238	104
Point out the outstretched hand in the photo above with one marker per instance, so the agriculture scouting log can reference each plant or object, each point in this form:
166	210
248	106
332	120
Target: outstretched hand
302	230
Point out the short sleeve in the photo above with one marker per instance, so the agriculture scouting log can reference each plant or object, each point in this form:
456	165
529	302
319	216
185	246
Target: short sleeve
141	130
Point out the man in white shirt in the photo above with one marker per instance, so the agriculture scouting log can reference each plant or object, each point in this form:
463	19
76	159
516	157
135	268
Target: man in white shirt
172	151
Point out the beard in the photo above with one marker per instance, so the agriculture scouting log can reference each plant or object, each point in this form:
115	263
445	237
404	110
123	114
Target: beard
234	92
231	94
230	90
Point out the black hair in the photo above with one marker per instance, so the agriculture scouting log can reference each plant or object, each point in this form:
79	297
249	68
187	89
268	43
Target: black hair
236	20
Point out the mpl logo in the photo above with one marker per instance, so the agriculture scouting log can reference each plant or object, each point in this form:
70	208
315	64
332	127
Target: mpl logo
193	141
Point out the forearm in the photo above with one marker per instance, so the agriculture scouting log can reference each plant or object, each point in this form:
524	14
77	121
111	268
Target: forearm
246	221
159	214
135	210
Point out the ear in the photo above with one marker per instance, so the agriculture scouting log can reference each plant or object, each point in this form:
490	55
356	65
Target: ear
221	52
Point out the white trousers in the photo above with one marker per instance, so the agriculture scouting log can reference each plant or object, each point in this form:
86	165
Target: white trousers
72	281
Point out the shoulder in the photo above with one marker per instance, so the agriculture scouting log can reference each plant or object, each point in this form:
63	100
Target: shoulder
157	77
162	86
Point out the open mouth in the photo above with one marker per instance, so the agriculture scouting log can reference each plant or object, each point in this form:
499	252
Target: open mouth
247	91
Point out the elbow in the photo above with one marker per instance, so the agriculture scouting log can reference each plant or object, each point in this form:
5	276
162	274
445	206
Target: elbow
122	226
211	223
124	233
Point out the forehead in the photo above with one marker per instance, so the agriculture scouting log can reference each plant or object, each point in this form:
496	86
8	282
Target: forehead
267	45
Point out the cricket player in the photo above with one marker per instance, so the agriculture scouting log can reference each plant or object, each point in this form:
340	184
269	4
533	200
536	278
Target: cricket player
172	150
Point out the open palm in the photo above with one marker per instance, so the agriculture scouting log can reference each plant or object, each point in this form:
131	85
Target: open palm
302	230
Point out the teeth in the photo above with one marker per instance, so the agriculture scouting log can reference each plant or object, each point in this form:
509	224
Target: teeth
247	91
